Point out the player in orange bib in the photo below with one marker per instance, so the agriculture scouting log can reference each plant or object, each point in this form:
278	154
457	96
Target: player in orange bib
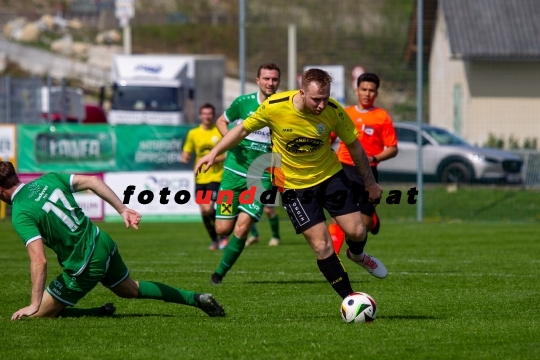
377	135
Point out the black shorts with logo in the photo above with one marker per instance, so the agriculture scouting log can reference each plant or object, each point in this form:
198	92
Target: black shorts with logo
357	184
213	187
305	207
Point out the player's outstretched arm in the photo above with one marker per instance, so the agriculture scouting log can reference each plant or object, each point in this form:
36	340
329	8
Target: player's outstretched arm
83	182
222	125
230	140
38	275
186	157
220	158
361	163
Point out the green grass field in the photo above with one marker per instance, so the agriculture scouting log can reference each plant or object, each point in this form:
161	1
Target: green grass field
454	290
479	203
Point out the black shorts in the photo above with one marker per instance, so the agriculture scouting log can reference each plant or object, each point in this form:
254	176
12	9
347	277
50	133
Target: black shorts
213	186
305	207
357	184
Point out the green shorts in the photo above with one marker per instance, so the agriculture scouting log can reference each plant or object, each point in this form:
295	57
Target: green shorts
105	266
237	184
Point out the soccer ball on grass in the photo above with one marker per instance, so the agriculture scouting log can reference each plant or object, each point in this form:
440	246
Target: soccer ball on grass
359	308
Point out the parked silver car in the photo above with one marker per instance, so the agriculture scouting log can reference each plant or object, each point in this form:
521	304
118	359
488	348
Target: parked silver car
448	158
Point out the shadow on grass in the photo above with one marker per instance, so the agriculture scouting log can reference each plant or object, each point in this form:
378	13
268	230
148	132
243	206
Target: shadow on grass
408	317
307	282
263	282
127	316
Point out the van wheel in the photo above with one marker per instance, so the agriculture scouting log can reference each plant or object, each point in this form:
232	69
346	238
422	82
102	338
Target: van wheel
456	173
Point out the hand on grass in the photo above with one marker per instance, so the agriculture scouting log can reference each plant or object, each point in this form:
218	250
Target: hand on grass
26	311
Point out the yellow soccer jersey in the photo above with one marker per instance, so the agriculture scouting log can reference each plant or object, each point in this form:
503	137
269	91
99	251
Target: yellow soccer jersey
303	139
201	141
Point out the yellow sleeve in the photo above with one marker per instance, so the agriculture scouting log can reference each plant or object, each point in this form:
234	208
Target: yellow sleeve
258	119
345	128
189	146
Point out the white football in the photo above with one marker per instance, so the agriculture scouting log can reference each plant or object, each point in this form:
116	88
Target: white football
358	307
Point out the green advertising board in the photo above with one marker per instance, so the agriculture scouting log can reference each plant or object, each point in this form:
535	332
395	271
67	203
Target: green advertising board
65	148
148	147
100	148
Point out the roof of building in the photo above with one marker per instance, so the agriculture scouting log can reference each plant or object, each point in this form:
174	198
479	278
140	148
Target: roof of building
493	29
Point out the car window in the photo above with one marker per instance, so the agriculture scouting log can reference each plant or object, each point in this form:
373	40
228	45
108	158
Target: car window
405	135
444	137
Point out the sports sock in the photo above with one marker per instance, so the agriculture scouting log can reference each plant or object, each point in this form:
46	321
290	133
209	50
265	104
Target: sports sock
159	291
254	231
356	247
334	272
231	254
209	224
337	235
274	226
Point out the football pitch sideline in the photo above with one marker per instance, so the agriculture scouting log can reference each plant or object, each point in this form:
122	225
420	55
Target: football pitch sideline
454	291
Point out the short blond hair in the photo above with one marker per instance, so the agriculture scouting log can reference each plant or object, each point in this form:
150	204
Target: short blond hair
318	76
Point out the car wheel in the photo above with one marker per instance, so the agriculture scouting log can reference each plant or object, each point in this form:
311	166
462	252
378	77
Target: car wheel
456	173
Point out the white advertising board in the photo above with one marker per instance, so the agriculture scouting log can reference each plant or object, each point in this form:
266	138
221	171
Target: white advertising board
7	142
154	182
91	205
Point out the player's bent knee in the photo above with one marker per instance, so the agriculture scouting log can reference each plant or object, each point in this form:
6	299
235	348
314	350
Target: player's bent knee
323	251
368	221
358	234
128	289
242	230
355	232
224	229
244	223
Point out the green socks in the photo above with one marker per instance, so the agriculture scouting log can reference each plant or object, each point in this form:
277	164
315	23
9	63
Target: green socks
231	254
159	291
147	290
274	226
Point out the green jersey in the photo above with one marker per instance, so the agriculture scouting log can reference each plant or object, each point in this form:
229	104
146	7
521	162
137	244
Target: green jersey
255	144
46	209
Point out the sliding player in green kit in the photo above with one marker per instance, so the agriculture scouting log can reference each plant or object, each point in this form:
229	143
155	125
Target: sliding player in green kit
46	213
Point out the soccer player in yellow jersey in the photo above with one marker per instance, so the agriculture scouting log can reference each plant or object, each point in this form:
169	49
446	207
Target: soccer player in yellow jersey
300	122
200	141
